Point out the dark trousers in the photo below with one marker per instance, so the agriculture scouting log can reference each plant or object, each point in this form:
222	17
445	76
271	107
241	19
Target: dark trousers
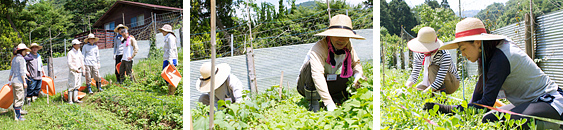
33	88
125	68
117	61
337	88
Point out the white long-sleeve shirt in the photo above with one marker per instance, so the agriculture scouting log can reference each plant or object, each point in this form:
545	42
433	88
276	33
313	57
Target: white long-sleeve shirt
170	50
75	60
232	88
91	55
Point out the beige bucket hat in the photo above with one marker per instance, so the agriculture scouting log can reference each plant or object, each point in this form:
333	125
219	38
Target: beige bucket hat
470	29
91	36
166	28
22	46
120	26
36	45
222	71
425	41
340	26
76	41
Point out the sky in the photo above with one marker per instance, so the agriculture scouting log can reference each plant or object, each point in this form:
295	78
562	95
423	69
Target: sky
465	4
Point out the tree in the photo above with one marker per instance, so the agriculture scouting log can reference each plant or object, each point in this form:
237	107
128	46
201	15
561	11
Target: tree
432	3
385	18
441	19
445	4
401	16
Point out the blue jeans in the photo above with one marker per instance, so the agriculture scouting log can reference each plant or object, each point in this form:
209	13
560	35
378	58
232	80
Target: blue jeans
33	88
166	63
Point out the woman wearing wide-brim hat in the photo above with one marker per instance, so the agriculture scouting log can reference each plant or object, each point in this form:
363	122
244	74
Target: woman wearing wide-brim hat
318	78
18	79
440	73
170	55
92	64
118	48
506	69
226	86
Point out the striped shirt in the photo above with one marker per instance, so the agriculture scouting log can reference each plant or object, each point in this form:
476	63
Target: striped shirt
443	59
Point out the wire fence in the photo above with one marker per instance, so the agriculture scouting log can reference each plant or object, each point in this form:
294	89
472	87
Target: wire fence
231	41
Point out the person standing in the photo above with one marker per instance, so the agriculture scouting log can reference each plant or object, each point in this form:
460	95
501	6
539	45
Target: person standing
17	79
75	61
118	49
130	49
92	62
35	70
318	78
170	52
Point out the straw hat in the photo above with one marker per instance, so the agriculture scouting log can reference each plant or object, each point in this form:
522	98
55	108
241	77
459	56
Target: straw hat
222	72
166	28
35	45
425	41
120	26
21	47
76	41
91	36
340	26
470	29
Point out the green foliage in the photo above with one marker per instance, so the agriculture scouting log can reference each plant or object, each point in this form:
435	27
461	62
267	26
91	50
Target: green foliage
401	107
58	115
144	103
399	15
390	45
442	20
269	111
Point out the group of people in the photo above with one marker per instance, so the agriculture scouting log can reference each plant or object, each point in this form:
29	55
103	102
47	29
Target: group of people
319	78
504	69
27	71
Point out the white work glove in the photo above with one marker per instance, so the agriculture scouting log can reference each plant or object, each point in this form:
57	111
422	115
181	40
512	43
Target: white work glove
331	106
113	57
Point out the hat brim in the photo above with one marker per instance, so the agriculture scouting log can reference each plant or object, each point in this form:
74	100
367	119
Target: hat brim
220	77
416	46
40	47
115	30
95	39
337	32
165	30
484	37
26	49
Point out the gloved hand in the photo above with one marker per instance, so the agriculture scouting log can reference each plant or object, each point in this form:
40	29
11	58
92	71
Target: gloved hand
331	106
113	57
441	108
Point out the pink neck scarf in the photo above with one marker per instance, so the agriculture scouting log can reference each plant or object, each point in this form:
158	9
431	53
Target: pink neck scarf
346	65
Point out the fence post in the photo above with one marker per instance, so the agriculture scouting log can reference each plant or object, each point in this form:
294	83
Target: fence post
528	35
346	12
251	71
65	46
232	44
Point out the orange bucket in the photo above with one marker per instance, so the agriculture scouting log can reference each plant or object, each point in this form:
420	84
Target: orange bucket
117	67
93	83
80	95
82	88
6	97
498	104
172	75
48	81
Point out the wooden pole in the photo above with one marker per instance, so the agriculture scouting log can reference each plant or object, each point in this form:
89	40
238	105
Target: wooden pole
51	72
211	89
123	16
281	85
459	2
250	58
532	31
328	9
528	35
